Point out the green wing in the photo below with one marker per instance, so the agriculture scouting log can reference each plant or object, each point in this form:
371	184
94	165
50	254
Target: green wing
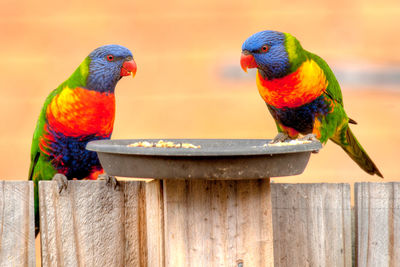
36	155
41	167
333	90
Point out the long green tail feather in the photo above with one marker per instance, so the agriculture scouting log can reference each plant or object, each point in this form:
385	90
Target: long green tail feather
357	153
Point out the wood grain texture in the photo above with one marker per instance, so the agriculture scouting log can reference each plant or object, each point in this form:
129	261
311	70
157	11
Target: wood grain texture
155	223
92	224
378	224
217	223
312	224
17	227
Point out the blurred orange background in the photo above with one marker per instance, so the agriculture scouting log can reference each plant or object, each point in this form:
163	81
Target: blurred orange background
189	83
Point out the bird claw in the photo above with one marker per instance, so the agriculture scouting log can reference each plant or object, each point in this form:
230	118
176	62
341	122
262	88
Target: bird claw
309	137
110	180
62	181
280	137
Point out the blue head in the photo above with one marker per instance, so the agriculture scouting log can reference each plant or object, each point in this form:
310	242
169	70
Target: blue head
108	64
267	51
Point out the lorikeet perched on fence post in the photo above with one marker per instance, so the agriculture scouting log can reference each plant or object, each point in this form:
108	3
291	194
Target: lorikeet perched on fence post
301	93
80	110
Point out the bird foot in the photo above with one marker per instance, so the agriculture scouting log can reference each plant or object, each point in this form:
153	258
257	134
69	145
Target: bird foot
110	180
309	137
62	181
280	137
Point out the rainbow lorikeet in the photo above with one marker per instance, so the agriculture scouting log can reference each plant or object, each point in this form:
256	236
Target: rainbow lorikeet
79	110
301	93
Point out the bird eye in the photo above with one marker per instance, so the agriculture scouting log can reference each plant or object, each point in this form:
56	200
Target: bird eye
110	57
264	49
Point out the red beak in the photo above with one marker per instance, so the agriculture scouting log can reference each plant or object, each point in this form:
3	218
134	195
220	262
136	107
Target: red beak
128	68
247	61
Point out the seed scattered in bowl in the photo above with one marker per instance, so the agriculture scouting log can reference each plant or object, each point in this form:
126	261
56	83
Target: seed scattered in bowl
289	143
161	143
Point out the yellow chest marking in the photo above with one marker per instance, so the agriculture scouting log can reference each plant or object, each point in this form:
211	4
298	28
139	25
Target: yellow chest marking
296	89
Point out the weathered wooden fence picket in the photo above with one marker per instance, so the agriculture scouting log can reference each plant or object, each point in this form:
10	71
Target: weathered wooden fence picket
17	224
377	224
312	224
91	224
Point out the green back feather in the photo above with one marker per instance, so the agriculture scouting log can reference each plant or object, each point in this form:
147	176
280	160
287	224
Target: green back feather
333	90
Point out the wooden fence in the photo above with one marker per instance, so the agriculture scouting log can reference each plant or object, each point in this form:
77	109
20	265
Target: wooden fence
93	225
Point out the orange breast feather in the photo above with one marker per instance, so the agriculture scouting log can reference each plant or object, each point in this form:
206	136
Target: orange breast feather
296	89
77	112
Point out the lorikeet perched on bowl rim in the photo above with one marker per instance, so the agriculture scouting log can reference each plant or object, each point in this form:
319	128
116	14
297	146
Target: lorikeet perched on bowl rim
301	93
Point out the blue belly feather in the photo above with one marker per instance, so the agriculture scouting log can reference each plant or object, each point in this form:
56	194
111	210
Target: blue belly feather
69	155
301	118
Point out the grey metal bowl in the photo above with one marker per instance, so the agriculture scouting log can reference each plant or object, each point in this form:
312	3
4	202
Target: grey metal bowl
215	159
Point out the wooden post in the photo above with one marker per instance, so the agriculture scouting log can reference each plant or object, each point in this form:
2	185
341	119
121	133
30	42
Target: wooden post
312	225
378	224
217	223
171	223
91	224
17	227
